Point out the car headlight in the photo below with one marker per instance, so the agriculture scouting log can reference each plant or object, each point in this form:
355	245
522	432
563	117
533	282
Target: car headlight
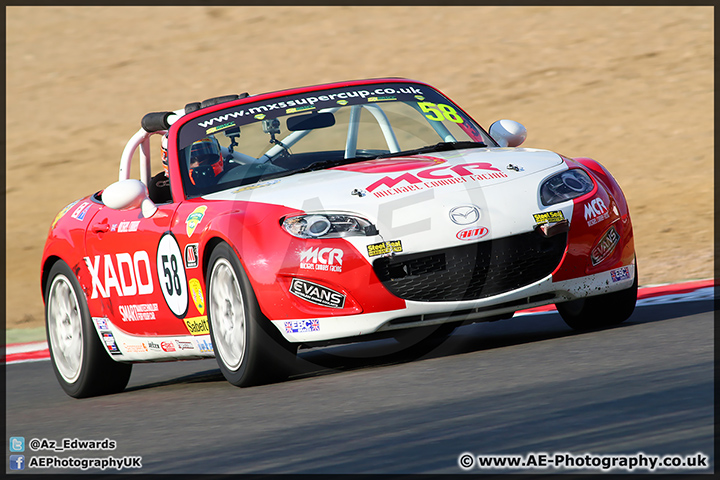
564	186
328	225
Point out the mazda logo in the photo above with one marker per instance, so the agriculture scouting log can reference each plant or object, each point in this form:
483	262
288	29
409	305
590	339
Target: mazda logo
465	215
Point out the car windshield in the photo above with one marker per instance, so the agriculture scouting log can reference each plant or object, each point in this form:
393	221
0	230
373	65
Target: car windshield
303	132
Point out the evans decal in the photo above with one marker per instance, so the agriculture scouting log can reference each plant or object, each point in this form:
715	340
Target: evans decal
605	246
300	326
167	346
317	294
472	233
596	211
322	259
197	325
127	275
171	274
435	177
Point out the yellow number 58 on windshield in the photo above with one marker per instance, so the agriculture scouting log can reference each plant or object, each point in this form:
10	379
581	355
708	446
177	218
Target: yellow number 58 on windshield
440	112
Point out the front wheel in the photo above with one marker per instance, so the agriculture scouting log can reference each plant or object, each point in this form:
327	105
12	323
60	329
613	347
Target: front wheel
81	364
600	311
247	350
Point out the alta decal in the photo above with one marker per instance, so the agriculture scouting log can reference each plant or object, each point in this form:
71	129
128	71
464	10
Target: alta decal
322	259
317	294
192	220
596	211
197	295
435	177
605	246
171	274
131	277
472	233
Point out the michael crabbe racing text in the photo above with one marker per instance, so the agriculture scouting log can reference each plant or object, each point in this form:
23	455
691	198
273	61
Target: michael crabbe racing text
586	461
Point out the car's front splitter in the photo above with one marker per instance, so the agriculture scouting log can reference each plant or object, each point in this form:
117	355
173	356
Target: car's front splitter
417	314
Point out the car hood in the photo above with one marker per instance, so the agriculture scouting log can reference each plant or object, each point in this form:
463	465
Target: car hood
411	197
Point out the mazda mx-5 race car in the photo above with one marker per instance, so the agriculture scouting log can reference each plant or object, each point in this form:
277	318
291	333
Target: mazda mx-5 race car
331	213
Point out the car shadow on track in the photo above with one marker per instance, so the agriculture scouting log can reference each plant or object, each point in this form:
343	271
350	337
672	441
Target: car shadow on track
476	337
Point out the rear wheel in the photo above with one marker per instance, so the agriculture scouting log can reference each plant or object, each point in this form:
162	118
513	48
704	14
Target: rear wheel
600	311
81	364
247	349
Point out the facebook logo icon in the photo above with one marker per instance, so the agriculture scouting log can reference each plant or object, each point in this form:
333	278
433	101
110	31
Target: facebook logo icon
17	462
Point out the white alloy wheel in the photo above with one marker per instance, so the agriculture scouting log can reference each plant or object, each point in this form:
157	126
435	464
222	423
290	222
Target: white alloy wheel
65	328
227	311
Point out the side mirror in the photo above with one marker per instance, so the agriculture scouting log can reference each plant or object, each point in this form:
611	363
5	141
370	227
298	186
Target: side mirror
508	133
129	194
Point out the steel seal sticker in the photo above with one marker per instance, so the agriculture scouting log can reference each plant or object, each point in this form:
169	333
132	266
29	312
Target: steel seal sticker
192	220
171	275
197	295
317	294
549	217
384	248
197	325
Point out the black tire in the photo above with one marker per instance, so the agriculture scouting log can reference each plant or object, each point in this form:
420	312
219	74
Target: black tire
248	349
81	363
601	311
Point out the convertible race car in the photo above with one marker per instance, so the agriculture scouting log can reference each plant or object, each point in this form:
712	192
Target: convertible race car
330	213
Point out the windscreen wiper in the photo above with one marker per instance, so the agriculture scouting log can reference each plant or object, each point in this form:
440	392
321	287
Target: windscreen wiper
438	147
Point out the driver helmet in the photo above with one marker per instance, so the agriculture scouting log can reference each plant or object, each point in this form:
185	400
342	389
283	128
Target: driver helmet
205	153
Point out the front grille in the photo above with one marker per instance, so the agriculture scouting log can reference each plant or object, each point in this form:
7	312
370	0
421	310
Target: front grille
472	271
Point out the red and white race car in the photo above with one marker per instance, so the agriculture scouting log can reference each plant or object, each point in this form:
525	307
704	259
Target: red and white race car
331	213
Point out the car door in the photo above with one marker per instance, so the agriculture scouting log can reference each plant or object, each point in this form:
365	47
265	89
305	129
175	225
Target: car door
137	271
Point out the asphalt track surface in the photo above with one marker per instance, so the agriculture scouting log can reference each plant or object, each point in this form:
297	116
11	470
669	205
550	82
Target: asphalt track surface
519	386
